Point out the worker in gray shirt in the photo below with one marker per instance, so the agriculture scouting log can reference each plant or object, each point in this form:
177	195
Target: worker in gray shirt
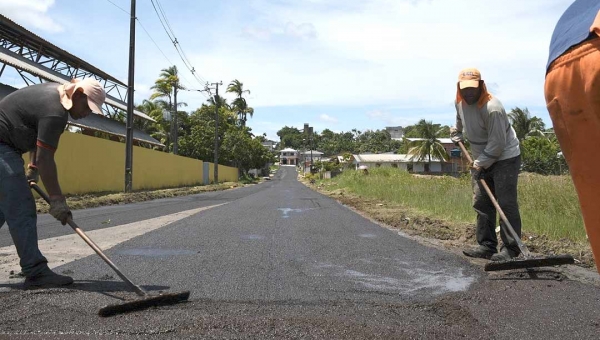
32	120
480	117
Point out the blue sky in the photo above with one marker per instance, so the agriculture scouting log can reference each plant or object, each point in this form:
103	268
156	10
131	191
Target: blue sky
336	64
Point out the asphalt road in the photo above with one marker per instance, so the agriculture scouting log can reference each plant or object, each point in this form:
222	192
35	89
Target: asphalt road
282	261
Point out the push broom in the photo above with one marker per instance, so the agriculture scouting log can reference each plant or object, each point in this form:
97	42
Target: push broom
528	260
146	300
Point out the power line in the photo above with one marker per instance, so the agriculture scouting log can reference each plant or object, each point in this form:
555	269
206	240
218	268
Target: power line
175	42
117	6
155	44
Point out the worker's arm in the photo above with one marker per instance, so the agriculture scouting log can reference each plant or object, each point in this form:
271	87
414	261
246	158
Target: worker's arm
497	127
47	169
49	130
32	172
456	132
32	157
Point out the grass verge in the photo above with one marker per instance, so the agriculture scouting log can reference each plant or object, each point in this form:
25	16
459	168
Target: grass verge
441	208
107	198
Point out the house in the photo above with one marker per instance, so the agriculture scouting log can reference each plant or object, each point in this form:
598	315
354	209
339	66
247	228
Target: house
306	160
288	156
456	162
305	156
269	145
396	132
400	161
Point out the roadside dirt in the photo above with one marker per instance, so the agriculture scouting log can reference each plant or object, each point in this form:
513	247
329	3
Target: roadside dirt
103	199
445	233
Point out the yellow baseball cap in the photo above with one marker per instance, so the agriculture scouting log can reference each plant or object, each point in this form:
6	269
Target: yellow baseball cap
469	77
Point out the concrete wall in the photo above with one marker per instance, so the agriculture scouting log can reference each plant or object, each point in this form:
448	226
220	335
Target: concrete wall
88	164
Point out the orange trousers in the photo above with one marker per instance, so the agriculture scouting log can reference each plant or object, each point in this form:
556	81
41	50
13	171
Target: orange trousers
572	92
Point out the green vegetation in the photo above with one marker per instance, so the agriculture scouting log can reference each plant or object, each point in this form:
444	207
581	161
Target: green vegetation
548	204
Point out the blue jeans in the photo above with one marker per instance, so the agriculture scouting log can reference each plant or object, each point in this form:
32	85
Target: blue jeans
17	209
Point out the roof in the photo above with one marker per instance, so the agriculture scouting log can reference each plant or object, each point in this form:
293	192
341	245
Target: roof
442	140
25	64
314	152
289	150
98	122
104	124
386	158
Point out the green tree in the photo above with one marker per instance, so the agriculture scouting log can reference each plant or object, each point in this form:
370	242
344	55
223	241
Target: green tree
159	129
290	137
542	155
165	87
429	145
239	104
524	124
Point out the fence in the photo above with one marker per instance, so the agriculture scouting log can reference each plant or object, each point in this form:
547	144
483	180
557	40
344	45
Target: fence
88	164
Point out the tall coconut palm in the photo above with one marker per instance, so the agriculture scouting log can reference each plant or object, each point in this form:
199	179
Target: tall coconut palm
239	105
524	124
428	146
166	85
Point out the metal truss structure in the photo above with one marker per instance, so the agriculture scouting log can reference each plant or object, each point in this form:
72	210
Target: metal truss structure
37	60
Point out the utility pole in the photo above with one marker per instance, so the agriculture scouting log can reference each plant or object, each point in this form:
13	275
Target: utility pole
217	101
308	131
129	124
174	126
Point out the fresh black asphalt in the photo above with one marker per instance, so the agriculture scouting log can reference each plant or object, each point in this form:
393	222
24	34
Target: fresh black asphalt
282	261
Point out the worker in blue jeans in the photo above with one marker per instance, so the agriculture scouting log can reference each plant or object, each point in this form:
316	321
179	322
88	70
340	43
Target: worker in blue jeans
32	120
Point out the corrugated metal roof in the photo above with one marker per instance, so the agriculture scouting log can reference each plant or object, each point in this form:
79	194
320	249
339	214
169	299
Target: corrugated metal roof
314	152
11	28
387	158
442	140
25	64
113	127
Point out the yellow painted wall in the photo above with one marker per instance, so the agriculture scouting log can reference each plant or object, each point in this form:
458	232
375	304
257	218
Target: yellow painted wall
88	164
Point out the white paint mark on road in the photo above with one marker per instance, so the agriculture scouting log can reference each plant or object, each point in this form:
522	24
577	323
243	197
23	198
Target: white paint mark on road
287	211
64	249
408	280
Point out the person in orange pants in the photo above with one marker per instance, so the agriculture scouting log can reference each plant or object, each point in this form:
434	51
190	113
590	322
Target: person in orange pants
572	93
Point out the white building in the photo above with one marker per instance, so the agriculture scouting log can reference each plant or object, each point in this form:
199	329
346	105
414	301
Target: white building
288	156
305	156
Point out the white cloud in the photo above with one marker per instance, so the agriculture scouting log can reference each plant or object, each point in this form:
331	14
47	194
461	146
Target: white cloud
388	52
328	119
30	13
302	31
410	118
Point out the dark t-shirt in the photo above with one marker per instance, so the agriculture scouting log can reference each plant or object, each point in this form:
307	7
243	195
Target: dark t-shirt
30	114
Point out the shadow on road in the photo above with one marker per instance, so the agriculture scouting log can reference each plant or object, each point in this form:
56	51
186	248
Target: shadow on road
530	274
98	286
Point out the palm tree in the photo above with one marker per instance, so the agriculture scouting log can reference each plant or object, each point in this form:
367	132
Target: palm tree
158	130
524	124
221	100
168	83
239	105
428	145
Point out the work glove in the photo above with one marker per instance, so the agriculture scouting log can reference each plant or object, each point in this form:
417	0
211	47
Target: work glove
59	209
456	136
32	174
478	173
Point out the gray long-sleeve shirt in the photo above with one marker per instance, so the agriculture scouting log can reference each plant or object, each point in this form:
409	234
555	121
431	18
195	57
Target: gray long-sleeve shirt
488	130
